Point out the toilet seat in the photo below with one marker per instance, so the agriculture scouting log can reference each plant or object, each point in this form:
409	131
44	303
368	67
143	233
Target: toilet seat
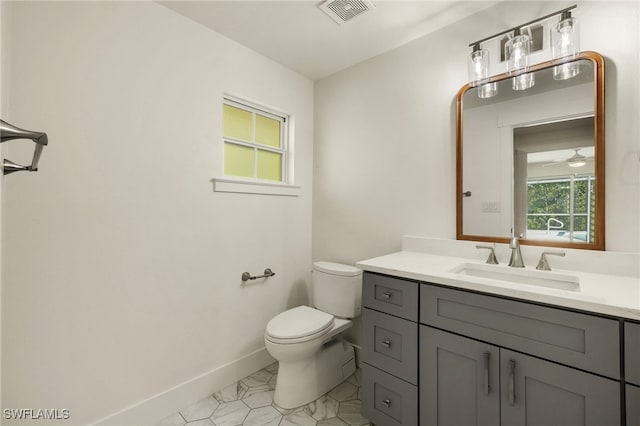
298	325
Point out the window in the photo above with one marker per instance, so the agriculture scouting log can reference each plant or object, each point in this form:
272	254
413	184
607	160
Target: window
255	142
562	208
257	154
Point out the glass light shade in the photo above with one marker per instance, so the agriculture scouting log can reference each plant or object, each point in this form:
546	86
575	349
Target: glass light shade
565	38
517	50
523	81
478	66
487	90
566	71
565	42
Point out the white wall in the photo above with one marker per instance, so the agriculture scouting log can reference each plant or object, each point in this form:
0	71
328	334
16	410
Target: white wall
384	147
121	265
4	97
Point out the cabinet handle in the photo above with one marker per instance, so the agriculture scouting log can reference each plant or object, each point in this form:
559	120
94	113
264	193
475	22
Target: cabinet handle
386	343
512	382
487	386
387	403
386	295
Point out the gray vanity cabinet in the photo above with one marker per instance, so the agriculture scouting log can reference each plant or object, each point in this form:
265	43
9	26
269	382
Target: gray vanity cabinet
467	382
632	371
438	356
390	350
633	405
632	353
535	392
460	382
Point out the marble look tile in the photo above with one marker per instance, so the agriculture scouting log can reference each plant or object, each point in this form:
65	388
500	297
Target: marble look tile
259	378
355	378
258	397
265	416
351	412
203	422
322	408
345	391
298	419
285	411
273	368
200	410
173	420
272	381
230	413
335	421
232	392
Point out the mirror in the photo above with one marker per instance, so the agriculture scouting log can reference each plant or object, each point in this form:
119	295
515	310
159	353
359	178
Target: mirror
533	160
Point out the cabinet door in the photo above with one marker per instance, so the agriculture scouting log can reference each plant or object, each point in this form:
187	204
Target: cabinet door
541	393
633	405
632	352
459	380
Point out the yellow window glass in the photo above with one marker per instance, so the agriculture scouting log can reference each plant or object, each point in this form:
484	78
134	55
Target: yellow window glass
237	123
267	131
269	165
238	160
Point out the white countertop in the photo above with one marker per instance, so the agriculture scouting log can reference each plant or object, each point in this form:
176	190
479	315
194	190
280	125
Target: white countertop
600	293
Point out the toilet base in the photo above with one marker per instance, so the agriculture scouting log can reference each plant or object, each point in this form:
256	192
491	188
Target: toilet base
304	381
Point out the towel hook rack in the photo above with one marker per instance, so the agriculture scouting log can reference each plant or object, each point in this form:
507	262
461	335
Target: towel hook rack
267	273
9	132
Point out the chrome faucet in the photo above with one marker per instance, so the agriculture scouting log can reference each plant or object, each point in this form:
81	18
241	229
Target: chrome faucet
492	260
516	255
543	264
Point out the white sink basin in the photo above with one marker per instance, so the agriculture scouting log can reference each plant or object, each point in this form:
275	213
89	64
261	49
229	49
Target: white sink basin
547	279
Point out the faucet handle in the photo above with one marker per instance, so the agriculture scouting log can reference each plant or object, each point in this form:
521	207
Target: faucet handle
543	264
492	260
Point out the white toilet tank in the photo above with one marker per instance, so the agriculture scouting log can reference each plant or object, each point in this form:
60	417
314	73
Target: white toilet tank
337	289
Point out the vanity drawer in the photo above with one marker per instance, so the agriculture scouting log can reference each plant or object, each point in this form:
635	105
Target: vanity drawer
391	344
583	341
394	296
632	353
387	400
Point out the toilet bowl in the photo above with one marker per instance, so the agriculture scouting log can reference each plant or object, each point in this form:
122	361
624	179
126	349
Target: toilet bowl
306	342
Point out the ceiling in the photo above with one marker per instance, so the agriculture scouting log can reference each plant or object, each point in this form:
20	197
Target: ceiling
298	35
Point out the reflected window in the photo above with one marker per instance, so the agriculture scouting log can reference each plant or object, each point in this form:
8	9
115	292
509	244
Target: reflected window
561	208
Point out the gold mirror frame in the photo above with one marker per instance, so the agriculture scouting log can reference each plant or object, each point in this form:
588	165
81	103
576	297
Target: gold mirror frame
599	120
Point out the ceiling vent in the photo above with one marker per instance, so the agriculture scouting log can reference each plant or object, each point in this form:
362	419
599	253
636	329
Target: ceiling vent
342	11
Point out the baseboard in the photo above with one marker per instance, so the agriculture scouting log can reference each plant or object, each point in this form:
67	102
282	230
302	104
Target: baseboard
153	409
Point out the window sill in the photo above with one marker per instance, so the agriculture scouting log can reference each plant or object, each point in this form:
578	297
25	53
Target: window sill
254	187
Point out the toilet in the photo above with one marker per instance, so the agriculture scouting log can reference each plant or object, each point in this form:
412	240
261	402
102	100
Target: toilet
306	341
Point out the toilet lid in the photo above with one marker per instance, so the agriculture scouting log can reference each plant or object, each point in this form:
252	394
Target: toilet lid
299	322
337	269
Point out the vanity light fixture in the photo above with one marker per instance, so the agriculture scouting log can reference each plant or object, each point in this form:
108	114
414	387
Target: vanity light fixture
564	45
479	70
517	50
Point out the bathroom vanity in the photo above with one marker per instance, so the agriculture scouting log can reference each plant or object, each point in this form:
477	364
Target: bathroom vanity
441	347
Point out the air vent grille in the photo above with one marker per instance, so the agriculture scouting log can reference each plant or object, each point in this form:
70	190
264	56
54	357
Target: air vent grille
342	11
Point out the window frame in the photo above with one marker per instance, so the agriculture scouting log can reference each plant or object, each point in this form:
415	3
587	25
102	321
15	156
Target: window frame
255	185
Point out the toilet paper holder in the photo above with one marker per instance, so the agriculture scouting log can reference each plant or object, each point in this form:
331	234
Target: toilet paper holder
267	273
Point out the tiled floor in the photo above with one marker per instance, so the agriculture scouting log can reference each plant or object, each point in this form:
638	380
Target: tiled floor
249	402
